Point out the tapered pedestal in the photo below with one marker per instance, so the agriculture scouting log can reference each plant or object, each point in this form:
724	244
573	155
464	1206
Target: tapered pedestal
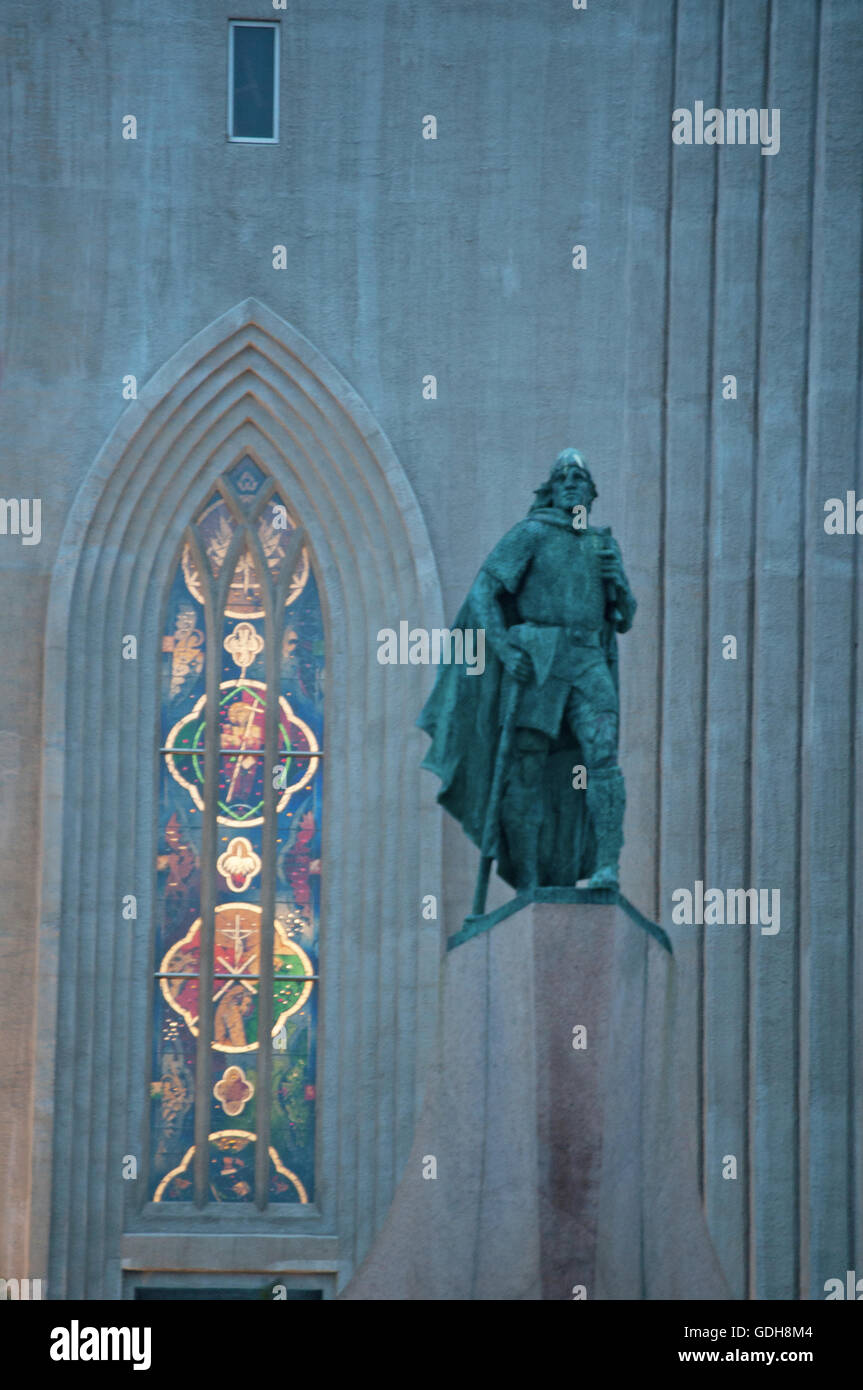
541	1168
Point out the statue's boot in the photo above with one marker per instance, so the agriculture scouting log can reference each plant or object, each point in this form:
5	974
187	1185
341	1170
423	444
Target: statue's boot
606	801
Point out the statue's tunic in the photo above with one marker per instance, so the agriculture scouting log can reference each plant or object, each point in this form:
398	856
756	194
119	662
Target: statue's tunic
561	606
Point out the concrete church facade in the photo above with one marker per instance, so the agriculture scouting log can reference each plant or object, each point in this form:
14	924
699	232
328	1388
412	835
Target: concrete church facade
389	316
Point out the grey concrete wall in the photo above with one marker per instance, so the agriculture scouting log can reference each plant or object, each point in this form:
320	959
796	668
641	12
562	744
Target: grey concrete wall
408	257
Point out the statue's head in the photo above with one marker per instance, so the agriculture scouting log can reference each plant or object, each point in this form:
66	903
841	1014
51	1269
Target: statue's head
569	484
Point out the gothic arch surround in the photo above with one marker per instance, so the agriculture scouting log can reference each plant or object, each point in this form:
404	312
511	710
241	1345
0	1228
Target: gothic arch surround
249	384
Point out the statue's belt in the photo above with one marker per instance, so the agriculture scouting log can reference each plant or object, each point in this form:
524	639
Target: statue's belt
580	636
543	642
583	636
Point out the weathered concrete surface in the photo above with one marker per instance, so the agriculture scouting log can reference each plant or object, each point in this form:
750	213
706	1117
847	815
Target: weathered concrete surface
544	1180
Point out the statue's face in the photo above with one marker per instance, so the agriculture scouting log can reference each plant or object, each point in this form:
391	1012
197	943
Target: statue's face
571	487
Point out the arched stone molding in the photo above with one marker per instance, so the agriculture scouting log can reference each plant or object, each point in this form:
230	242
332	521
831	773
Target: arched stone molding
247	384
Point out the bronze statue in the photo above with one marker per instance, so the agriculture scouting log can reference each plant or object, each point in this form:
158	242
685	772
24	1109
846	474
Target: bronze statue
527	752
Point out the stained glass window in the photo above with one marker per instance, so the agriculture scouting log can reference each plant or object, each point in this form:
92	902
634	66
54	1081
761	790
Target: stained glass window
233	1090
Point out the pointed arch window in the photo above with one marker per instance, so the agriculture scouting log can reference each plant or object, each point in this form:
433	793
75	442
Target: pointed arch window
233	1089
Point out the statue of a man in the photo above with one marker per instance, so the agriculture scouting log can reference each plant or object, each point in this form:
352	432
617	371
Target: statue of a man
527	752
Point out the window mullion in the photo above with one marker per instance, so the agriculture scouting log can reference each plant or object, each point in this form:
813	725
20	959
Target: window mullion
208	861
216	598
272	637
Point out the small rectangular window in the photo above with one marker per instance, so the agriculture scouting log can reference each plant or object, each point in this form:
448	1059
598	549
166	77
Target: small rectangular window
253	81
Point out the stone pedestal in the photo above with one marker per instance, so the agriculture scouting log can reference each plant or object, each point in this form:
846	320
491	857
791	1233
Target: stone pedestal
555	1164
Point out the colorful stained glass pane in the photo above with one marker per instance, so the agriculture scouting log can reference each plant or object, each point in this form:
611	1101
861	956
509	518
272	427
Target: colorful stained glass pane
216	527
236	967
178	889
275	526
292	1127
232	1171
247	480
242	734
298	894
183	653
239	864
244	647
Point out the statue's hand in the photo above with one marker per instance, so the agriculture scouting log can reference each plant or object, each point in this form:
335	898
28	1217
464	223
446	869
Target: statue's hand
610	567
517	662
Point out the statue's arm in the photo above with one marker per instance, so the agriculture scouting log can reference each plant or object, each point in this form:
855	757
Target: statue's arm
613	573
626	604
485	595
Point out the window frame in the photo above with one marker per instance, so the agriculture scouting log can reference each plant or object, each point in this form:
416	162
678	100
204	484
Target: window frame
260	1213
332	460
233	139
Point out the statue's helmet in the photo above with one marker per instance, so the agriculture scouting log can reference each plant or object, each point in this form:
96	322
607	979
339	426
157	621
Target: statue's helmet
565	458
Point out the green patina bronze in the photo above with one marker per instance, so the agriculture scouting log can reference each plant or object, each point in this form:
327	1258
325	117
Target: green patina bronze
527	751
